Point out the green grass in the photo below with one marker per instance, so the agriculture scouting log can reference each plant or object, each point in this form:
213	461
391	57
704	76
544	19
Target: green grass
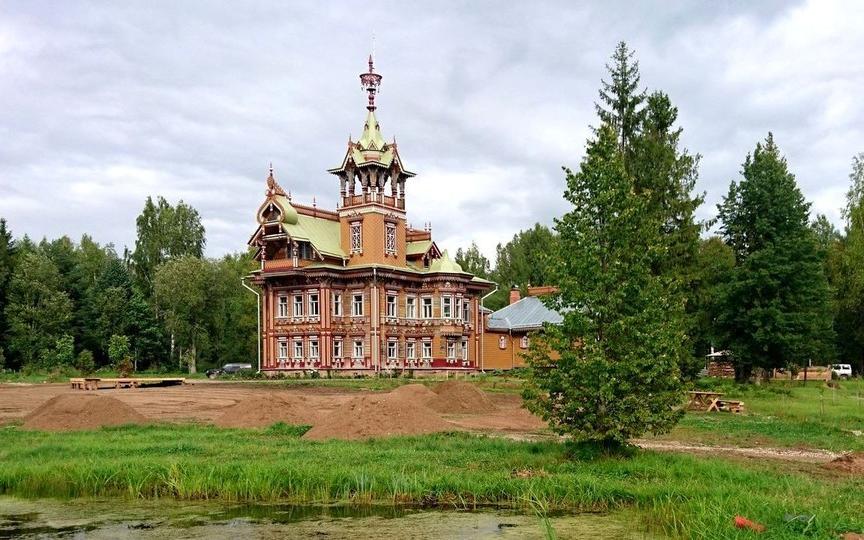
677	495
783	415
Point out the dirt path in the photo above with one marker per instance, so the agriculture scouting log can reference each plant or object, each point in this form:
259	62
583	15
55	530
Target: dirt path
784	454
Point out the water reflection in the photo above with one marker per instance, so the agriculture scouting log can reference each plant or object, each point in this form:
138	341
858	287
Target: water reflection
95	519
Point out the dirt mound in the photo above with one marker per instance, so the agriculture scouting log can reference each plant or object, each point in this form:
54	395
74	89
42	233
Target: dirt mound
852	463
264	410
416	391
459	397
68	412
380	415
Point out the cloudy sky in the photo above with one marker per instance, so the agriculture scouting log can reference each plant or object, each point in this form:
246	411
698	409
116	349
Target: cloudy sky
105	103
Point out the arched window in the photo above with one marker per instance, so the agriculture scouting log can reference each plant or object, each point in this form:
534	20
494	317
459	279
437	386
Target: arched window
502	342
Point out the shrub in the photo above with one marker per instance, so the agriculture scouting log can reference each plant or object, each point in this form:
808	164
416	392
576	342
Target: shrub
84	363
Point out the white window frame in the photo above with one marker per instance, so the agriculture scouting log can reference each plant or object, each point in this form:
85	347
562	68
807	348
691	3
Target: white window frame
314	304
392	305
423	306
525	342
296	356
297	308
282	307
446	306
392	349
502	342
451	349
282	349
354	311
336	297
426	346
337	349
464	349
314	350
411	307
410	350
466	310
356	232
357	347
390	238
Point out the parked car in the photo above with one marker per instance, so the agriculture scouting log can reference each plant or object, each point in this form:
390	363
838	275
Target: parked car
227	369
842	371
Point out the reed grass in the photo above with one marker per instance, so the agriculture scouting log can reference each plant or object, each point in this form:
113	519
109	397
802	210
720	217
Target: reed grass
675	495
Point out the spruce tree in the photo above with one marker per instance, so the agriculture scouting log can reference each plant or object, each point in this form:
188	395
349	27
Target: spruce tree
774	308
621	100
616	375
7	267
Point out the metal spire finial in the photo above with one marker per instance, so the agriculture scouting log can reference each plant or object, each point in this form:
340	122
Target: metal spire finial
370	82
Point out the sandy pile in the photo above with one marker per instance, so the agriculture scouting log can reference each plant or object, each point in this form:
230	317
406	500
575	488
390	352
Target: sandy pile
380	415
459	397
81	411
420	392
852	463
266	409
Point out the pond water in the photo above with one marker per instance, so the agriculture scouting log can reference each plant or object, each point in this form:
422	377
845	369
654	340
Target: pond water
96	519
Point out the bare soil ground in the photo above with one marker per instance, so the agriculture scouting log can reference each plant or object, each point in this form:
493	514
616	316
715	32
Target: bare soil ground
412	409
214	402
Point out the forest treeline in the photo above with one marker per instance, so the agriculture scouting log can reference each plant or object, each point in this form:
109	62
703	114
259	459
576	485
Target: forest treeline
772	284
162	306
764	280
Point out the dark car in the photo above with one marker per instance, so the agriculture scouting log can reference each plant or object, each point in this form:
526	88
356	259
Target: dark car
227	369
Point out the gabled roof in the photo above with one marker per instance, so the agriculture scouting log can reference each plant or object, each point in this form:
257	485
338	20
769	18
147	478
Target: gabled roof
529	313
412	249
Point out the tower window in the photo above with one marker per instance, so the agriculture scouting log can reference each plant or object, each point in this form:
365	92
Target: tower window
356	237
390	239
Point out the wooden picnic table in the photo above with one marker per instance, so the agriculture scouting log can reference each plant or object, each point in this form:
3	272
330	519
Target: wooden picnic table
704	401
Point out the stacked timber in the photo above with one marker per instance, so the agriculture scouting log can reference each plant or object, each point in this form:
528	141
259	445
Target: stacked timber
721	368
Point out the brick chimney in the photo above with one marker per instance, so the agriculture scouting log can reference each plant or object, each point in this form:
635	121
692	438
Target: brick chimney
514	295
542	290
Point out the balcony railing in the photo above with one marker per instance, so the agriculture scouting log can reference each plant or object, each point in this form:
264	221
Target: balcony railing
380	198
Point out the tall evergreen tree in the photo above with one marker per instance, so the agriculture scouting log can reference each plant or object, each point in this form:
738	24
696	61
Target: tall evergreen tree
617	375
7	268
621	100
714	263
774	308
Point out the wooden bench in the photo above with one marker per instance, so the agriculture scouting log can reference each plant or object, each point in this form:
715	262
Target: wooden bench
729	405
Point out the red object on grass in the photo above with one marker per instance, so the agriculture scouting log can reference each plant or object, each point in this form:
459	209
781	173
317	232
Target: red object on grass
743	523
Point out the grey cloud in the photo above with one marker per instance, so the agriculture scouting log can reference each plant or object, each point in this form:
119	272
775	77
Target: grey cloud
105	103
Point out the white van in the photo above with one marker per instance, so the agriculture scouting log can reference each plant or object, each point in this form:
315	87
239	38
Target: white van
842	371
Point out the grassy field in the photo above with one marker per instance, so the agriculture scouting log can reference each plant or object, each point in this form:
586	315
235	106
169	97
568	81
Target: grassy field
676	495
783	415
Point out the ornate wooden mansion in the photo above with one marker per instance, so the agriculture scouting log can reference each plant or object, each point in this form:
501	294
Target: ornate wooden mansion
357	289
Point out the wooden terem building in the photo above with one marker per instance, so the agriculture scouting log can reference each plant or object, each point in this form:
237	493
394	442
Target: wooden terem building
357	289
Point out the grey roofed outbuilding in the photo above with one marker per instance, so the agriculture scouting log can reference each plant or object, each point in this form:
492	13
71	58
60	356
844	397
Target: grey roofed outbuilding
528	313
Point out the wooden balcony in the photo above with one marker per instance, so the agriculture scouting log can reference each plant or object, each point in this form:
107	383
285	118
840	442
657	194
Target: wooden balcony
367	198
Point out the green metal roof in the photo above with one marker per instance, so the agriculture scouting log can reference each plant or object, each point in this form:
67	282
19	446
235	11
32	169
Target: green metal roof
417	248
445	264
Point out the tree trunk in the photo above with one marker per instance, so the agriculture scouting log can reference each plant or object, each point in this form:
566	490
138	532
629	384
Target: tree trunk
191	360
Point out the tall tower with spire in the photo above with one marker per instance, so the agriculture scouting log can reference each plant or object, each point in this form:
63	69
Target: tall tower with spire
372	188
